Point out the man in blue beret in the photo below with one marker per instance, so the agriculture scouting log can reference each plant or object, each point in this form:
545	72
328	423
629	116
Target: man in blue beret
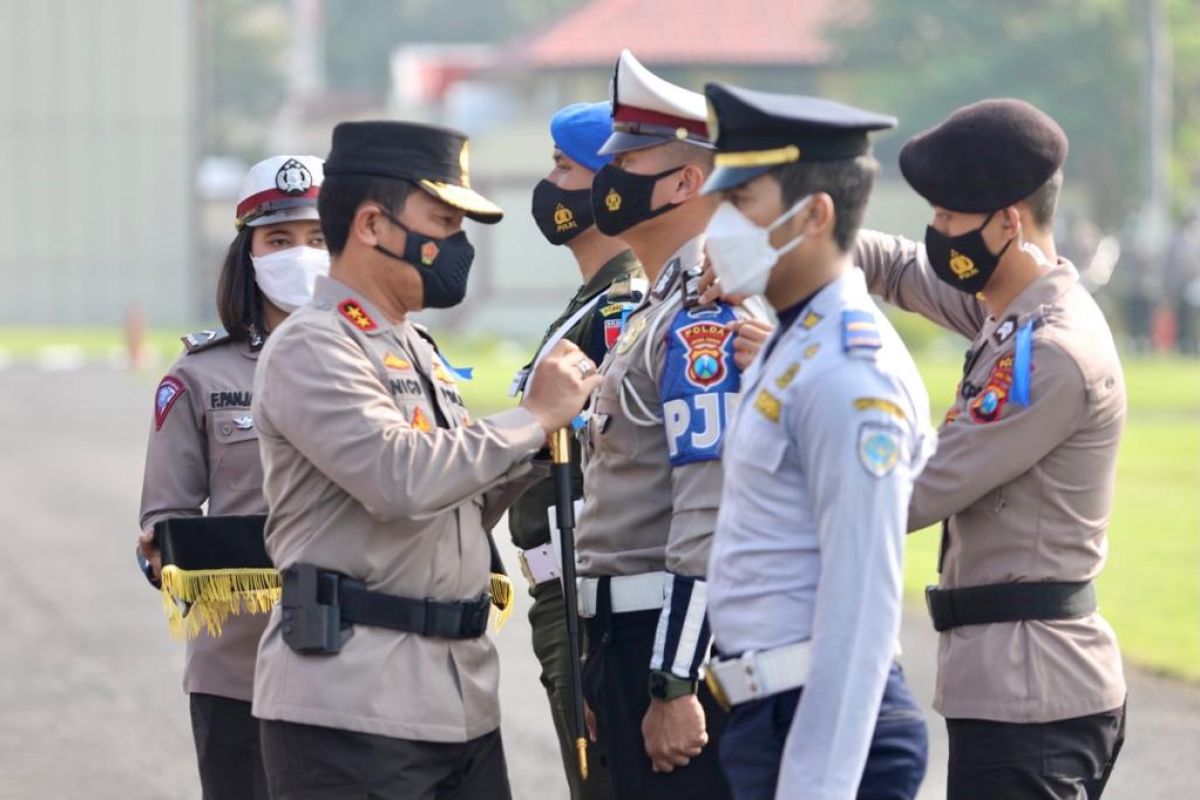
612	285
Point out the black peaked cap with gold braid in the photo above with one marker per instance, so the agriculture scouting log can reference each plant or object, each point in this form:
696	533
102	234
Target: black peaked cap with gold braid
434	158
757	131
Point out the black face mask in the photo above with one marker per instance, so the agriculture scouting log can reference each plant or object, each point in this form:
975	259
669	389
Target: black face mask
443	264
621	199
963	261
561	214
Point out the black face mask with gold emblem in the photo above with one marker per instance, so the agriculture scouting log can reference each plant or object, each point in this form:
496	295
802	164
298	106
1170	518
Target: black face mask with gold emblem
963	261
561	214
622	199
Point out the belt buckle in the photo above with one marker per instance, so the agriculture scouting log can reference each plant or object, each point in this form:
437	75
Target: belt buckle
715	689
474	621
929	590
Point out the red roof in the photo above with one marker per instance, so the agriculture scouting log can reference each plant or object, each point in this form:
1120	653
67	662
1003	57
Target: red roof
739	32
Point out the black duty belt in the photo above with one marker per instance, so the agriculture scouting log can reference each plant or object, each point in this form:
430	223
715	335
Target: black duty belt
320	606
1008	602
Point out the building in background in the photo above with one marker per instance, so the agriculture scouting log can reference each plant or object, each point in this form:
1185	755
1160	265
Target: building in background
96	121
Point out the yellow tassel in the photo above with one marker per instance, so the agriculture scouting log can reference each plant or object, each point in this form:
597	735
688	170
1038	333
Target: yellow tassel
195	599
503	600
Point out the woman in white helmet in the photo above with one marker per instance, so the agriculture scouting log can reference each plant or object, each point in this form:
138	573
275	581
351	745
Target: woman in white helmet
203	446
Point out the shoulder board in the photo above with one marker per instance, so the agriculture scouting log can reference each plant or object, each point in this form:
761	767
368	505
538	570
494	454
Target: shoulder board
627	289
860	334
203	340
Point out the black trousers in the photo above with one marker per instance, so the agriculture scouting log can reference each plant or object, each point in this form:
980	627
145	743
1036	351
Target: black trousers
615	684
1069	759
227	751
308	762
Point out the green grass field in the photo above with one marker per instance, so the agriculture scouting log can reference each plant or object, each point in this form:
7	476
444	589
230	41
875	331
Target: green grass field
1150	591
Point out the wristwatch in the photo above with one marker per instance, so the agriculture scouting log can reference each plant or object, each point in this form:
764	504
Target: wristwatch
147	569
666	686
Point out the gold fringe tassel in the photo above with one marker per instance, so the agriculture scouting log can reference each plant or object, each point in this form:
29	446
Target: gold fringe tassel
503	600
195	599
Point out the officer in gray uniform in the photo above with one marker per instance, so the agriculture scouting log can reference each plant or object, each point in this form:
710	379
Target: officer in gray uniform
1029	674
203	445
613	284
374	675
652	478
806	572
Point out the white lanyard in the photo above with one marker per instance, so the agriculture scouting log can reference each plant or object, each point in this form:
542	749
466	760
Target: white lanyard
518	382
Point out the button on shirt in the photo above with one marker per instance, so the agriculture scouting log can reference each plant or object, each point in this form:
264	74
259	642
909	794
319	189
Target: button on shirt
830	432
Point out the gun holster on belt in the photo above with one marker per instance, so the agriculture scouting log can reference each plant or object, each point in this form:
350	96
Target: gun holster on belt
312	616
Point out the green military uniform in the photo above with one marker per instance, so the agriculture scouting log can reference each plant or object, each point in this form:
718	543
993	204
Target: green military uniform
529	517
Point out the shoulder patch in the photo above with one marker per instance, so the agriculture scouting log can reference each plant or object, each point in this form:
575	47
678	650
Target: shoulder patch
203	340
878	448
860	332
698	382
356	315
1005	330
169	390
988	405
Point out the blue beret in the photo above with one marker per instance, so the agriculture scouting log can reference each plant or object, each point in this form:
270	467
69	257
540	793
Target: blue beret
580	130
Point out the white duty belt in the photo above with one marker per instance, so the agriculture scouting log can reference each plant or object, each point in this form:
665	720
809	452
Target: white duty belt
543	563
758	674
627	593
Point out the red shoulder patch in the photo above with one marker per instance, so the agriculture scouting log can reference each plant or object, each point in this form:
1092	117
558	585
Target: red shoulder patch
169	390
989	404
357	315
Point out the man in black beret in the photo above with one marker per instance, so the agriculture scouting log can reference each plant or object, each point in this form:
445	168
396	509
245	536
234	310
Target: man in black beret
1029	674
374	675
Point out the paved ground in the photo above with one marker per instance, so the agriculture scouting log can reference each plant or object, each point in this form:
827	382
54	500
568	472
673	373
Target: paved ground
90	705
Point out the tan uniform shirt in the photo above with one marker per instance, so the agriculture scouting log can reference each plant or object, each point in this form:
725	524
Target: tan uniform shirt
373	469
1027	489
204	446
640	514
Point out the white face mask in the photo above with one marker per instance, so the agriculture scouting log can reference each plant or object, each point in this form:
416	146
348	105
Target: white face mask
741	252
287	277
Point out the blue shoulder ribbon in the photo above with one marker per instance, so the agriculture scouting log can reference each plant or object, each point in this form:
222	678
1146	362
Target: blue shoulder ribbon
466	373
698	381
1023	364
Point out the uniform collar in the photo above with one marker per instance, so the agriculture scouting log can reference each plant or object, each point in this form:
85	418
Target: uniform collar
687	256
621	264
828	299
331	294
1044	290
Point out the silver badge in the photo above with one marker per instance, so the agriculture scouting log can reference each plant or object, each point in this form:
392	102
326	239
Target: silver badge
293	178
244	423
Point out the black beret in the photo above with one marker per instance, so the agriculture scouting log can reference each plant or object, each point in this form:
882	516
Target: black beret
984	156
433	158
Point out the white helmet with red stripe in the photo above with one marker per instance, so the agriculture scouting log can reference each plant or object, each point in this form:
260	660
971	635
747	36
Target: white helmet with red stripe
280	189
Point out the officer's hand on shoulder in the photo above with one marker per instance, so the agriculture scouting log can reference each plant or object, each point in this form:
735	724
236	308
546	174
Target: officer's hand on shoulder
560	385
711	291
749	336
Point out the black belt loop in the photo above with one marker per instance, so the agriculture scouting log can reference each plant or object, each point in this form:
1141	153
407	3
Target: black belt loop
1008	602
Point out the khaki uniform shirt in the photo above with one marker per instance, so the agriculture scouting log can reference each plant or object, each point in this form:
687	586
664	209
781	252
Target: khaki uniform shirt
373	469
1027	488
204	447
528	519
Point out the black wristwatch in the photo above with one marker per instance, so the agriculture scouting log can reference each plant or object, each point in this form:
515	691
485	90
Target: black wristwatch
665	686
147	569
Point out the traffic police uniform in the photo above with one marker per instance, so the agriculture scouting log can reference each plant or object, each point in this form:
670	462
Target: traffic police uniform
1029	674
382	491
203	447
653	482
806	571
592	320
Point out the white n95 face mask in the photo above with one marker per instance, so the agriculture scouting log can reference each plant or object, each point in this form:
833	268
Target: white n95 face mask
741	252
287	277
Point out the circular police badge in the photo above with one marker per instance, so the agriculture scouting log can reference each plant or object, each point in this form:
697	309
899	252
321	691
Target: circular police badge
878	448
293	178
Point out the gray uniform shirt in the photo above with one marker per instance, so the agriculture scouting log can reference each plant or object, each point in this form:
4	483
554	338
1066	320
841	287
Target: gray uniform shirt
373	469
819	464
1027	488
202	449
